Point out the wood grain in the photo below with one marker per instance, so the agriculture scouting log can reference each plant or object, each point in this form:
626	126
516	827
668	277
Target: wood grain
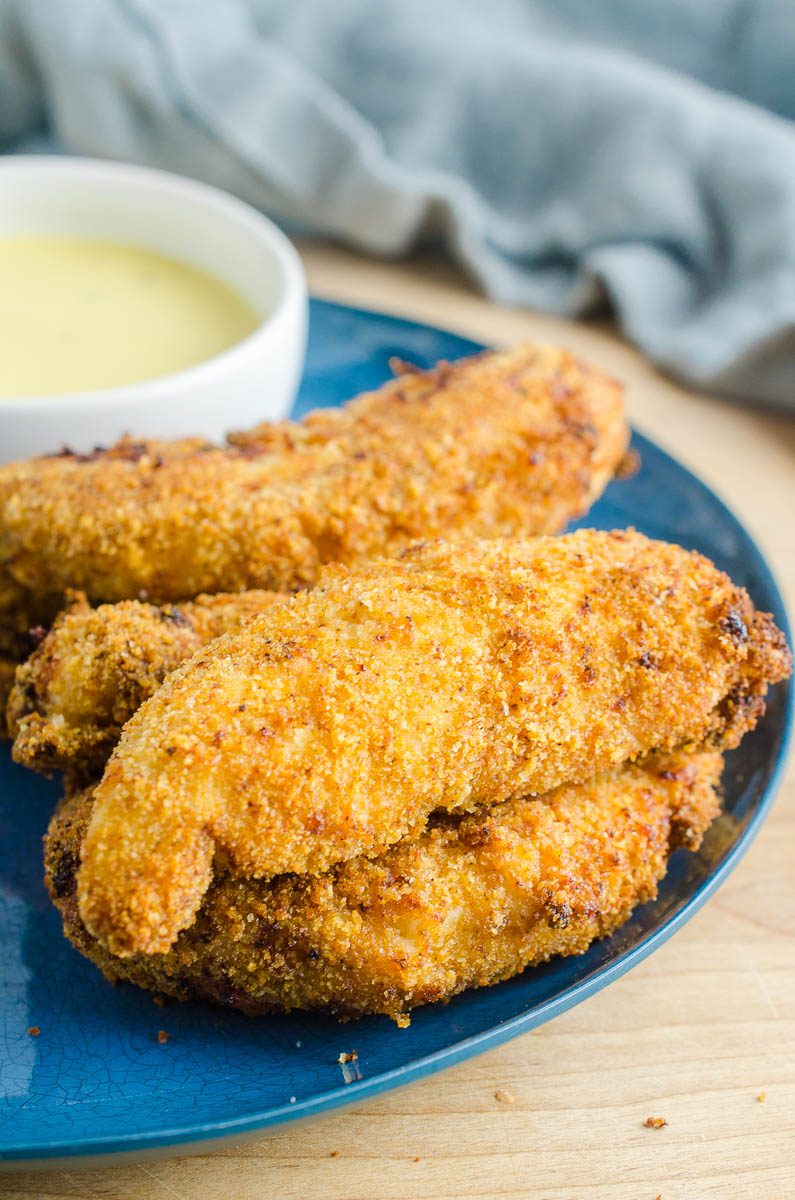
695	1035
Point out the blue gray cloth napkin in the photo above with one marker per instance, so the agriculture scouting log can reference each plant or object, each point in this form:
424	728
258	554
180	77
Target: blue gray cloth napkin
567	152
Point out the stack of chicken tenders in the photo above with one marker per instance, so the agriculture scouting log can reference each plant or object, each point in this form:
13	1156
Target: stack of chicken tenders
344	723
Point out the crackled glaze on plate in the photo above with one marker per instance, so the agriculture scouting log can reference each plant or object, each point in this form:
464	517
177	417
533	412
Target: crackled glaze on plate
96	1082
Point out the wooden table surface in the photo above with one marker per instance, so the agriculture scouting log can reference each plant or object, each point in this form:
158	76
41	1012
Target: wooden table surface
702	1033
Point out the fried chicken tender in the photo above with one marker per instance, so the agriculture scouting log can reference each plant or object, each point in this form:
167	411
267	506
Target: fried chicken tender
96	667
454	677
475	899
515	442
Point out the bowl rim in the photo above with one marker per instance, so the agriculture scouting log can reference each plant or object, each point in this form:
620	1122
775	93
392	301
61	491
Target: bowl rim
219	204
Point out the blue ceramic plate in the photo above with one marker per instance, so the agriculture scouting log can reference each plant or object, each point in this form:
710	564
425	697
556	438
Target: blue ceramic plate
96	1081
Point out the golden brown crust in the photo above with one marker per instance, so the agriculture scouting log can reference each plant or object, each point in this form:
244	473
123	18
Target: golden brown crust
8	668
456	676
96	666
511	442
473	900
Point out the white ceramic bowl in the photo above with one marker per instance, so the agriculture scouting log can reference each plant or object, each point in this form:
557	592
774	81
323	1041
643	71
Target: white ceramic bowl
252	381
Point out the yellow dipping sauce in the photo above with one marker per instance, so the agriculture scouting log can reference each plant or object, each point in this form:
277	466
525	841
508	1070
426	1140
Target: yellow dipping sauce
78	314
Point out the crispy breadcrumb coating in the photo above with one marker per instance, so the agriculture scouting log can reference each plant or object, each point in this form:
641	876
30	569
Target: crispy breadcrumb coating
475	899
8	670
456	676
511	442
96	667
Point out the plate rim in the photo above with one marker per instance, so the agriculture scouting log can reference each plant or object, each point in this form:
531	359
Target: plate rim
191	1138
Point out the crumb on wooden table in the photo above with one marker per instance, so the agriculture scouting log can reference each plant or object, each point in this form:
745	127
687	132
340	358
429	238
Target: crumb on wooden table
34	1030
655	1122
334	1154
761	1098
162	1037
503	1096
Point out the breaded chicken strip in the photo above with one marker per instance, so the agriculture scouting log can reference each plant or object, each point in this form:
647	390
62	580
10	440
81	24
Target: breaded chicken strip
516	442
474	900
458	676
96	667
17	638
